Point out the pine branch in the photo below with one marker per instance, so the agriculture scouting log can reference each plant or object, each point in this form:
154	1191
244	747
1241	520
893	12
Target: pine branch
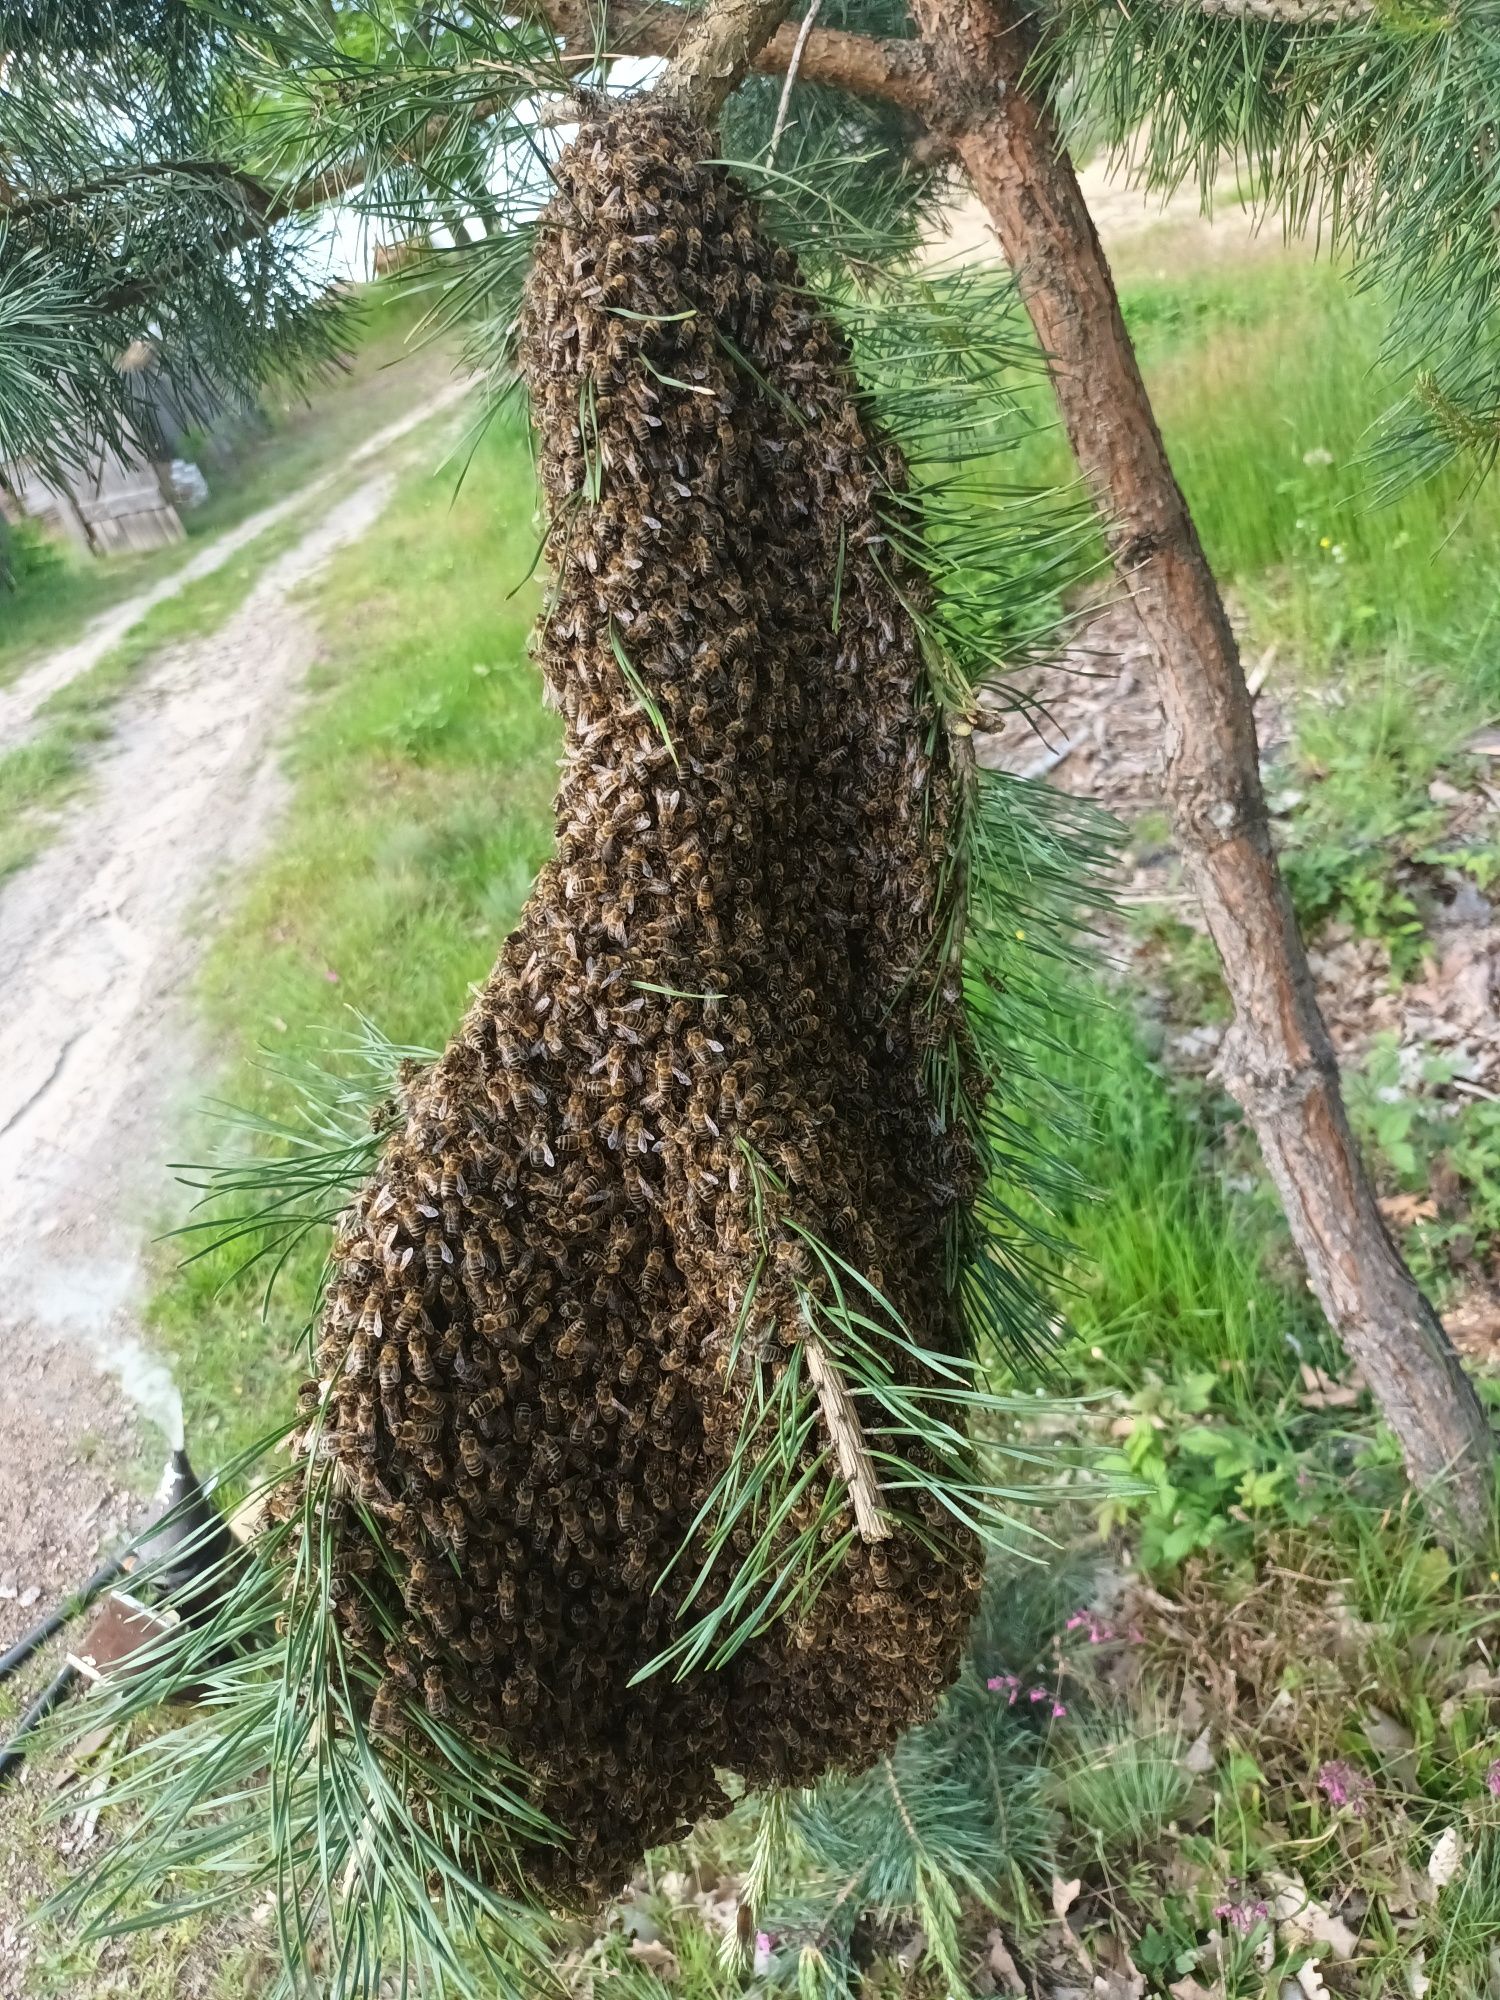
1285	13
881	69
885	68
17	207
715	54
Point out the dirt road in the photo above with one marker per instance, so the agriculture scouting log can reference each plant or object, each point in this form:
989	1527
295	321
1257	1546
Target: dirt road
19	702
98	941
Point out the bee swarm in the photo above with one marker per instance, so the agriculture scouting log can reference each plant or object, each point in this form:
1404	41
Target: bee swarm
730	958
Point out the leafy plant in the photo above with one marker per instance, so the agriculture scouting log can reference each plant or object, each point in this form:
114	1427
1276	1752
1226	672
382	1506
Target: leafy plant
1202	1479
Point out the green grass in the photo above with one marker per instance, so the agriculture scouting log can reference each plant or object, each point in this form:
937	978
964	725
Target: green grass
1267	378
1270	426
422	773
1174	1271
59	590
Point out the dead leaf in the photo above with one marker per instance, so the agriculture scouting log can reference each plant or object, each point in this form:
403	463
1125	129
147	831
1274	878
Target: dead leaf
1301	1919
1406	1892
1310	1979
1417	1981
1199	1755
656	1957
1473	1324
1403	1210
1323	1392
911	1954
1007	1973
1112	1985
1446	1858
1064	1894
1191	1709
1478	1685
636	1921
1395	1746
1189	1988
1331	1930
1287	1896
1119	1977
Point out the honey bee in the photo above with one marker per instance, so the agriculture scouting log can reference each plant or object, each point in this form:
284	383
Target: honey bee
665	1395
385	1709
547	1457
573	1344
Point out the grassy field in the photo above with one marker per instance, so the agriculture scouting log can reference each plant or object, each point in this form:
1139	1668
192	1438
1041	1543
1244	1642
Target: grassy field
1295	1683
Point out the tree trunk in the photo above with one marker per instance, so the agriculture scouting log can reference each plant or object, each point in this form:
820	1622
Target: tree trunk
1278	1060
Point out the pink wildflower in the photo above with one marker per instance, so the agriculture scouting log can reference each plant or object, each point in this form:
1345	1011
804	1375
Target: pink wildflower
1087	1621
1242	1917
1492	1779
1343	1785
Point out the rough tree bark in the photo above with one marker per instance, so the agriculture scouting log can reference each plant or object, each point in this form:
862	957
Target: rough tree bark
1278	1060
715	53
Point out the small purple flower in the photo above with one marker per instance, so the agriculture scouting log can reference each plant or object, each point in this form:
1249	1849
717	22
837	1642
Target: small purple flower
1006	1684
1343	1785
1242	1917
1492	1779
1086	1621
1059	1709
1038	1694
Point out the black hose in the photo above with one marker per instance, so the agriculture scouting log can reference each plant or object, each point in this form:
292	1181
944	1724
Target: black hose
23	1649
13	1755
